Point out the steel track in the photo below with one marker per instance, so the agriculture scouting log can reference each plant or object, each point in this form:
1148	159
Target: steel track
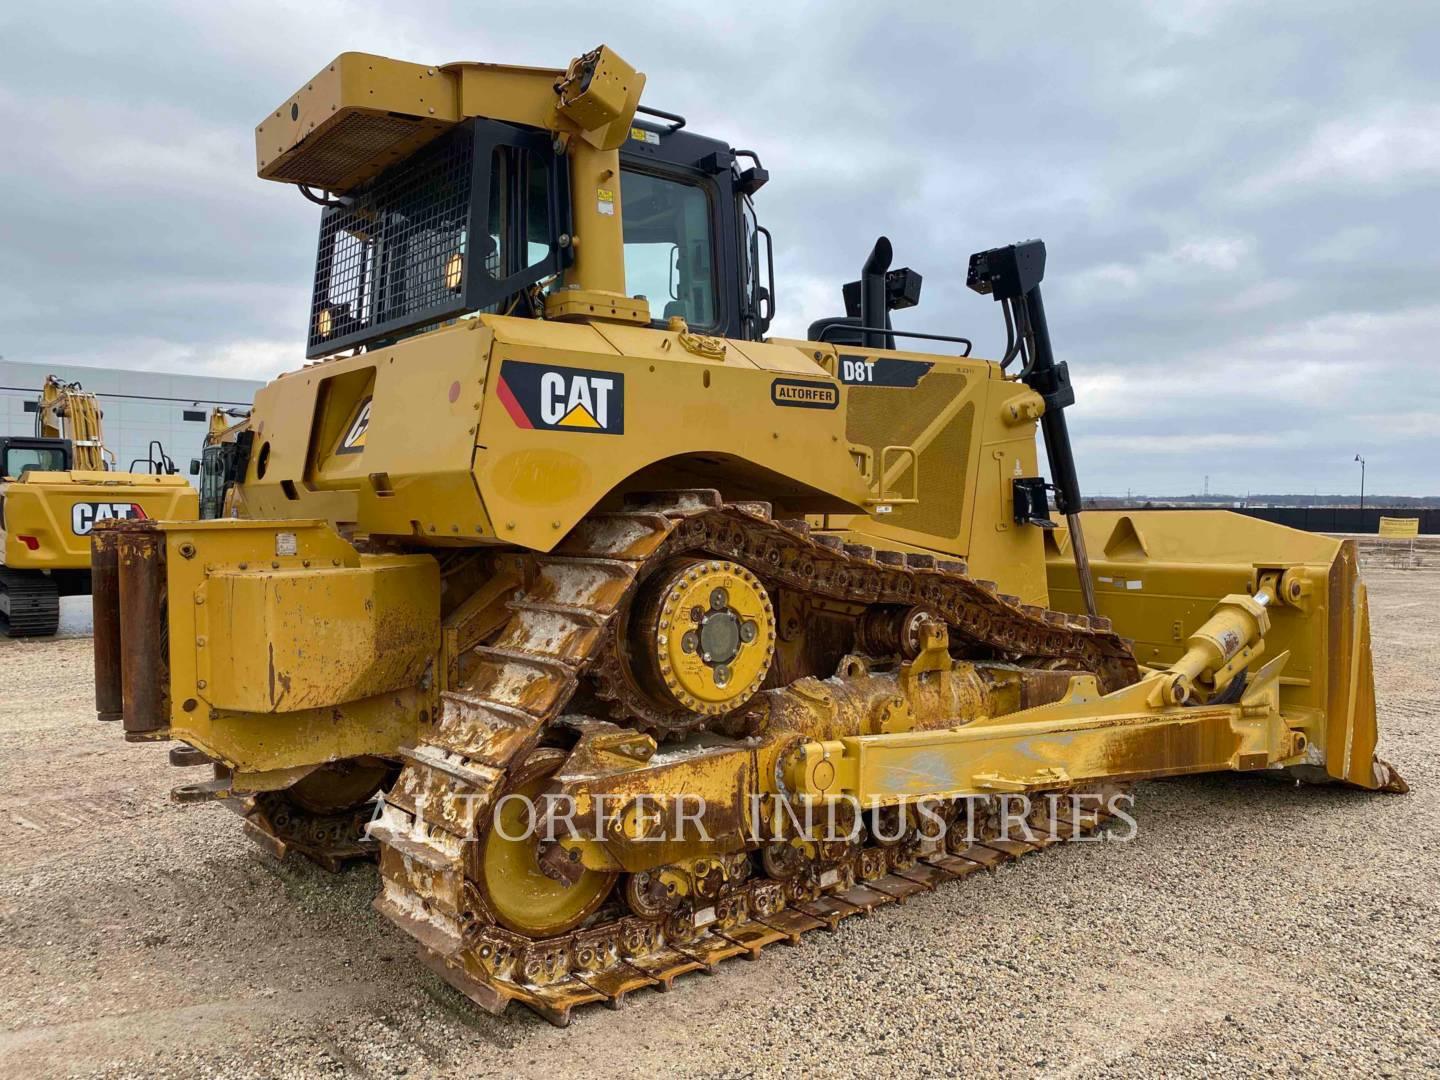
560	630
31	605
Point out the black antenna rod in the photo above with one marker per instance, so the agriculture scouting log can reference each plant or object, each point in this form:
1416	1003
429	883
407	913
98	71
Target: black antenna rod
1013	274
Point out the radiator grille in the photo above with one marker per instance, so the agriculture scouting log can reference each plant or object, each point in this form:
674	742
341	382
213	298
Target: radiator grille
394	255
884	416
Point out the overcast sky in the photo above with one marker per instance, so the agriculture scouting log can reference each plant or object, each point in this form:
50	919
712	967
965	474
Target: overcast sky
1239	199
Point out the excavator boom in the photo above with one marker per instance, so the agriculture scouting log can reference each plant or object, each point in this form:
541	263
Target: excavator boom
69	411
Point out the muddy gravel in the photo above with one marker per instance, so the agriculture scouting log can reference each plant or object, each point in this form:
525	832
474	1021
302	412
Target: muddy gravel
1249	927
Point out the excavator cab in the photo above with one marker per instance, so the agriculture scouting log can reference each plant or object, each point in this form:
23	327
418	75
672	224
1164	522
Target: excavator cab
222	461
212	467
20	454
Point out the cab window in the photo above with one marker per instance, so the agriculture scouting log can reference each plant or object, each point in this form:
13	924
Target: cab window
519	199
519	208
212	482
668	255
19	459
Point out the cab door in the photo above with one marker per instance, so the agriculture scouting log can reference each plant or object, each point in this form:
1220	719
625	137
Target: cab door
684	248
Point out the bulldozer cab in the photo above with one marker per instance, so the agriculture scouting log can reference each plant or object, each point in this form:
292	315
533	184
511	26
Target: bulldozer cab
691	238
22	454
484	219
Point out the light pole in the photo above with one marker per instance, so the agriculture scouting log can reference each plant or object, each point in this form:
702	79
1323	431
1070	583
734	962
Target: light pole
1362	491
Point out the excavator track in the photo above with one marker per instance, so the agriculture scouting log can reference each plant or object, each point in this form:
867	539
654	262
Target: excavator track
29	604
561	634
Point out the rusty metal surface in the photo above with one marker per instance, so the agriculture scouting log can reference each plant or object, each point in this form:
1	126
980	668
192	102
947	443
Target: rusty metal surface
333	648
565	630
105	602
788	557
632	959
143	648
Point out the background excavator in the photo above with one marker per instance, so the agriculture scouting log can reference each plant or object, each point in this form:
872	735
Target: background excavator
54	487
221	464
638	557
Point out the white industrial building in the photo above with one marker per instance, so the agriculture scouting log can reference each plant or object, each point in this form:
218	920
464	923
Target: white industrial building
138	406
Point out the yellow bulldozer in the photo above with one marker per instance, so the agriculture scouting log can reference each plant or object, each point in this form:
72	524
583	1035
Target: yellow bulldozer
633	639
54	488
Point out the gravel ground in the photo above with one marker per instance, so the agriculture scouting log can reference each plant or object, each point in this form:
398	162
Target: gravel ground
1250	927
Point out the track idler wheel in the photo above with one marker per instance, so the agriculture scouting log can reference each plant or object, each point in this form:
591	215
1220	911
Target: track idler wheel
782	860
520	895
890	825
890	631
341	786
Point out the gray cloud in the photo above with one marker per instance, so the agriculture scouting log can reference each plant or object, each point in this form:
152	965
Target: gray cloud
1238	199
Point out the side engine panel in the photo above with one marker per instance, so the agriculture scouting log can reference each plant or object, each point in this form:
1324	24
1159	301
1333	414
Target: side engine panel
972	434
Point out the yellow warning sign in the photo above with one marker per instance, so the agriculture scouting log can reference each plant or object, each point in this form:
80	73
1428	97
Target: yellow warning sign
1400	528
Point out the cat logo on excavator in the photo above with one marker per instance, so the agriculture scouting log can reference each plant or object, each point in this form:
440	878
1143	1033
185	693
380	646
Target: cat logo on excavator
84	515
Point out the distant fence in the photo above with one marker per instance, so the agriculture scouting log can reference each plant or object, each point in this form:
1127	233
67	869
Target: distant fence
1332	519
1341	519
1393	553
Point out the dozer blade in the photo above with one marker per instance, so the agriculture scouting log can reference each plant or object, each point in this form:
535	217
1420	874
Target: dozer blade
1159	573
1352	731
